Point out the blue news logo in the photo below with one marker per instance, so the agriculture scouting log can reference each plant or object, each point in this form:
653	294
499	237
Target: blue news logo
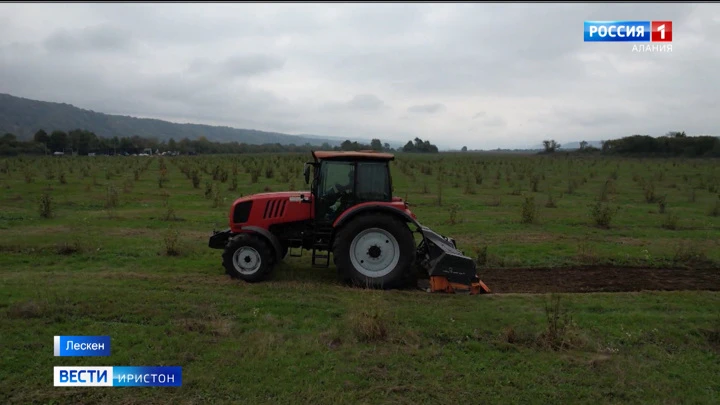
617	31
126	376
82	346
83	376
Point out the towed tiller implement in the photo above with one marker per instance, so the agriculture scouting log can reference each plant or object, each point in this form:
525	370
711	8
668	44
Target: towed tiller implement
449	270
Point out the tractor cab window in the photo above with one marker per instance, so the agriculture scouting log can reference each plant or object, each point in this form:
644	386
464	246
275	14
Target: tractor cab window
372	182
335	191
336	177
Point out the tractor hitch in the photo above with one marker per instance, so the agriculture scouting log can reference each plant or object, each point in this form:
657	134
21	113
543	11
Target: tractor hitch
449	269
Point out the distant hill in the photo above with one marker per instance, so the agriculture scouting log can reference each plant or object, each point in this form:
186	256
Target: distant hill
23	117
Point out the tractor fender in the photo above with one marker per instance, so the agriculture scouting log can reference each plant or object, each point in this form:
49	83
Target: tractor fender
274	241
353	212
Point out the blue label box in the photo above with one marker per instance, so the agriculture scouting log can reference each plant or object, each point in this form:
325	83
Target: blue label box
118	376
159	376
617	31
70	346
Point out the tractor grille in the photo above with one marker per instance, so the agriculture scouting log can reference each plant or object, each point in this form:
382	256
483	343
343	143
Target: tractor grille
242	212
275	208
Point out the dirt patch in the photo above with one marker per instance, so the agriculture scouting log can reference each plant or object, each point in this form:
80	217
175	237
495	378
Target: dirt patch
631	241
535	237
196	235
214	326
130	275
126	232
178	281
130	232
468	242
599	279
45	230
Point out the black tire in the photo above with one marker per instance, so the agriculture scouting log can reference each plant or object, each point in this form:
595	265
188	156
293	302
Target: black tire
253	248
394	273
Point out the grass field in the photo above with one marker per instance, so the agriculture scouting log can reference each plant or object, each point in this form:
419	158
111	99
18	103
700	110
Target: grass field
118	246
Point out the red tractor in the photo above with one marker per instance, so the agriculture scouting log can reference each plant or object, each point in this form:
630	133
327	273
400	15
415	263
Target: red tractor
351	214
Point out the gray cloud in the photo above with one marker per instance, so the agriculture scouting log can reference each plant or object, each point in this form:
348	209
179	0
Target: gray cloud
505	74
366	102
252	64
235	66
494	122
360	102
95	38
427	108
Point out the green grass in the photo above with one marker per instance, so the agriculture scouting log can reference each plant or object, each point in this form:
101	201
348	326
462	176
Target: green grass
96	269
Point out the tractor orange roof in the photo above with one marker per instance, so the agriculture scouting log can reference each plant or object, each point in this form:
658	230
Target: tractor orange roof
360	155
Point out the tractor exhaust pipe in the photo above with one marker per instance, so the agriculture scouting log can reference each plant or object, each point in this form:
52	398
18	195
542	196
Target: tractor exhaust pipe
449	270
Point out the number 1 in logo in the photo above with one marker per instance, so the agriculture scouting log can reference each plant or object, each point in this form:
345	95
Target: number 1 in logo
661	31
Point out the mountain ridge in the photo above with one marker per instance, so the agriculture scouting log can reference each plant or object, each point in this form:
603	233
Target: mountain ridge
24	116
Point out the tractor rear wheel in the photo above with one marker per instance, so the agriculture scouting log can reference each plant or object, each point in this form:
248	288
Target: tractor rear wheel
375	250
248	257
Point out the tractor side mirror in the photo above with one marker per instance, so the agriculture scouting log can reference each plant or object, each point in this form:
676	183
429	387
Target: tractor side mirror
306	172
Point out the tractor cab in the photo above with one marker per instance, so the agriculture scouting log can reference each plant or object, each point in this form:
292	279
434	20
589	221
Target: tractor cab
345	179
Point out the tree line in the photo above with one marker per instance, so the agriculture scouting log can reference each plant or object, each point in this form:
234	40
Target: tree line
672	144
82	142
420	146
416	146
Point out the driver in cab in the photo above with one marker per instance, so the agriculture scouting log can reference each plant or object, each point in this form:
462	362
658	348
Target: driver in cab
338	197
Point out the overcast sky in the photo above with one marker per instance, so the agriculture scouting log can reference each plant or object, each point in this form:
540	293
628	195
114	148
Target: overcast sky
481	75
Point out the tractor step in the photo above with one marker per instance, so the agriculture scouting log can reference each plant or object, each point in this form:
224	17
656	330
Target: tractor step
292	253
322	244
320	260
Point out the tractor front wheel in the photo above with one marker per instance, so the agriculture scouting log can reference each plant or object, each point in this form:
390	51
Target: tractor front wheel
248	257
375	251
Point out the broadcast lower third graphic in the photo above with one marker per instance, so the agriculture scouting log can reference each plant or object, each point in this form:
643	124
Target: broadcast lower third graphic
118	376
71	346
